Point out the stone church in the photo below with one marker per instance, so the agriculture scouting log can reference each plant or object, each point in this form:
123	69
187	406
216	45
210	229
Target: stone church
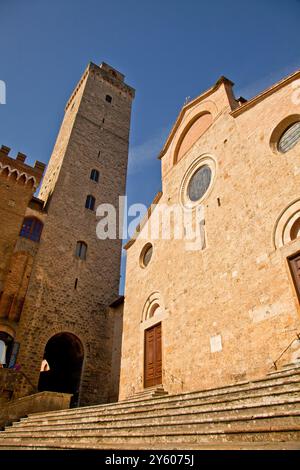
197	319
200	313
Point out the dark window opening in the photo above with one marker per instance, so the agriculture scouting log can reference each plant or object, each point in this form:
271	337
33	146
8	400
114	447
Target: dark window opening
81	249
90	202
108	98
76	283
95	175
32	229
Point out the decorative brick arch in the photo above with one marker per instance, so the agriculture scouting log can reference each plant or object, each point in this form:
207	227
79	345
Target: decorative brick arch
285	223
17	175
153	307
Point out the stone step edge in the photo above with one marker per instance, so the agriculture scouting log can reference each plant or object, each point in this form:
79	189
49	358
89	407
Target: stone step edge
222	423
32	420
213	421
208	445
24	423
285	368
258	430
170	398
148	408
120	406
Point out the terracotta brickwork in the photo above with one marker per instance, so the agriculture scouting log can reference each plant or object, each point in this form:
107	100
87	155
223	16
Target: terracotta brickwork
229	308
18	181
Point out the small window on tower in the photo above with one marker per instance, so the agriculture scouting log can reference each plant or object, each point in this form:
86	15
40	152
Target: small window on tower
95	175
90	202
108	98
81	249
32	229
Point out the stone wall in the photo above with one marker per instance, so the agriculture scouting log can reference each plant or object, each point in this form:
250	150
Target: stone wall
227	310
67	294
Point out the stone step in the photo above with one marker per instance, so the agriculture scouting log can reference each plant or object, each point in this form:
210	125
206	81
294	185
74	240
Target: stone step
167	419
231	445
288	418
280	429
257	411
266	402
287	368
254	385
292	385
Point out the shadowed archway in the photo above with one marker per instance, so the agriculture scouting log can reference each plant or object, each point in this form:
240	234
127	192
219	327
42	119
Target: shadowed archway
64	355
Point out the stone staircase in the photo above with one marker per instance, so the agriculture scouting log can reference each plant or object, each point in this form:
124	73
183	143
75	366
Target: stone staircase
151	392
256	414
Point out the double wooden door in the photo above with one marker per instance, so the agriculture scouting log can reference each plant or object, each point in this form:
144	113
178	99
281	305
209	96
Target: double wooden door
294	263
153	357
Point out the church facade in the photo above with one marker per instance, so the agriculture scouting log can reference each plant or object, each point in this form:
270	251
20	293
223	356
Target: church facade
224	307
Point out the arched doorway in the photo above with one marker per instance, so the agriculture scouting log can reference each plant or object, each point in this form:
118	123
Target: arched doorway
64	356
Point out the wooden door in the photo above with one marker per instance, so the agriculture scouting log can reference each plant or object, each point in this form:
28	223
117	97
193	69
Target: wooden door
294	263
153	357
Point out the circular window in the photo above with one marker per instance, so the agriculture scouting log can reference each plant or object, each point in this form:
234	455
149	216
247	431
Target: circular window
146	255
199	183
289	138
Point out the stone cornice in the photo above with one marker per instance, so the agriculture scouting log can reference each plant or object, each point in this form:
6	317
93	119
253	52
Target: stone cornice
264	94
103	71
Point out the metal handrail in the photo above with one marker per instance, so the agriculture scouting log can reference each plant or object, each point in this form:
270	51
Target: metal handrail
297	338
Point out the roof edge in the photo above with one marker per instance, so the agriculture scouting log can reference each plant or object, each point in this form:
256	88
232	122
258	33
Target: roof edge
191	103
142	223
265	93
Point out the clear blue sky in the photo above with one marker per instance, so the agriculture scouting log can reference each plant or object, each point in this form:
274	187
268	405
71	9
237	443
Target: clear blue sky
168	50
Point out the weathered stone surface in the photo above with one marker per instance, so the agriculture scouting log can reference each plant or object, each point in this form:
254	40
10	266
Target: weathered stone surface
43	401
237	287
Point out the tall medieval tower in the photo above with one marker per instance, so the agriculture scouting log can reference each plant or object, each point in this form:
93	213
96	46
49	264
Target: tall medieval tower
65	322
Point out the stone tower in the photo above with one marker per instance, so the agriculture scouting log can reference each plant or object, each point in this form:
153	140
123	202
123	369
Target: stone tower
65	322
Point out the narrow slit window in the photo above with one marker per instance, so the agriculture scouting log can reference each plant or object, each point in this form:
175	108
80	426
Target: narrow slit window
90	202
81	249
95	175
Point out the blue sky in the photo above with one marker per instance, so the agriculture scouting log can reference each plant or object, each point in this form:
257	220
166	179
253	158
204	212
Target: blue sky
168	50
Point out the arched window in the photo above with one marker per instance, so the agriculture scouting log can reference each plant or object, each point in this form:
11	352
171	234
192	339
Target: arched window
146	255
90	202
32	229
95	175
295	229
289	138
81	249
108	98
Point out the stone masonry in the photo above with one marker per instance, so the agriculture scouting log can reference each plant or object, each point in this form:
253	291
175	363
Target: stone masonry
228	309
66	294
